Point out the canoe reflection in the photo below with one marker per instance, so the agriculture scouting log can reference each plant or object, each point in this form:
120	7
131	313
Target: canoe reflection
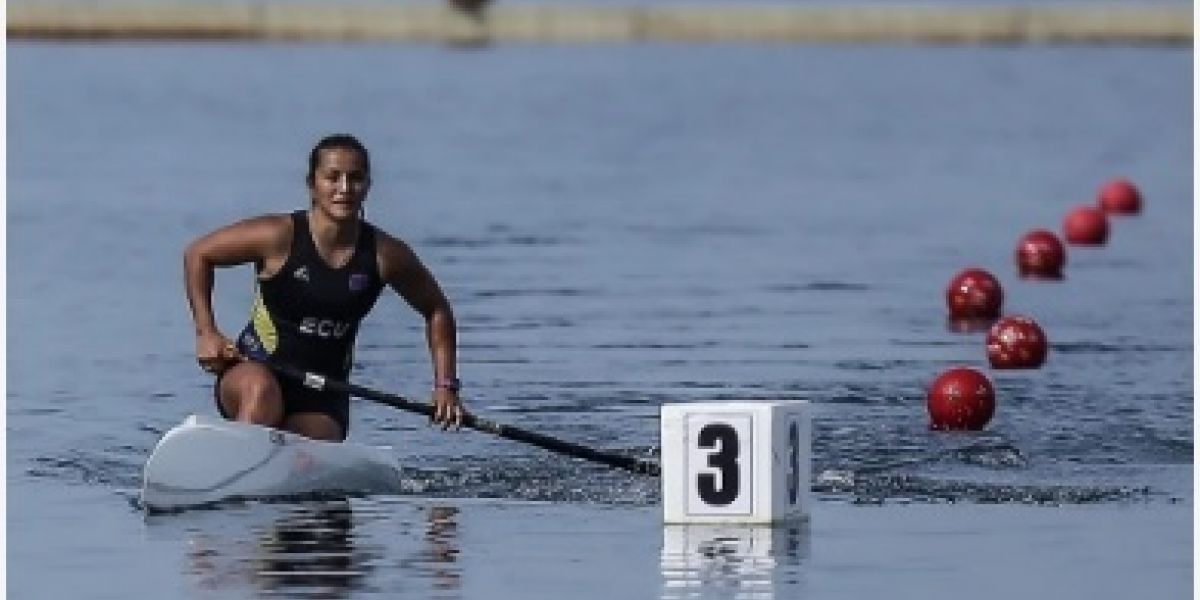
732	561
331	550
313	550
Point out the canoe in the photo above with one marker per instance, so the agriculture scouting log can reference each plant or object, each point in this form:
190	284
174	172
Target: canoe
209	459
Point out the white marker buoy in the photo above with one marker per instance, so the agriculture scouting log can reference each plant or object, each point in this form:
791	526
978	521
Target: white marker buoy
736	462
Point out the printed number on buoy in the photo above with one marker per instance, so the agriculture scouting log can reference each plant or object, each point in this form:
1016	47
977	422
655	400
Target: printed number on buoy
720	463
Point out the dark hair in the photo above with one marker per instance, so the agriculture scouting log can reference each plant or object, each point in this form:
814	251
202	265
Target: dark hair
338	140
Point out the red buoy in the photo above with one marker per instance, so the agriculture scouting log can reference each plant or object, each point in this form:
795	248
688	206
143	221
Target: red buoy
1086	226
1040	255
1016	342
1120	197
960	398
974	294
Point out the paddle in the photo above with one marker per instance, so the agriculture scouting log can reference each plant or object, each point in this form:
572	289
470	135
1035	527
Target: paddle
320	382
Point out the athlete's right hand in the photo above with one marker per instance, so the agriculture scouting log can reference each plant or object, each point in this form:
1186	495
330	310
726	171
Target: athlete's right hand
215	352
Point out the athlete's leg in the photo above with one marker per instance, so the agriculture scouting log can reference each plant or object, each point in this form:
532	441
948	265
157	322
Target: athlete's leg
318	426
250	393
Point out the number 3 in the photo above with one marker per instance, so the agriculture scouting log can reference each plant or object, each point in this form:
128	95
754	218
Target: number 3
725	460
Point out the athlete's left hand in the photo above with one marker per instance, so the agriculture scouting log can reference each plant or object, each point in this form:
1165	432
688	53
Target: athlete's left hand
447	410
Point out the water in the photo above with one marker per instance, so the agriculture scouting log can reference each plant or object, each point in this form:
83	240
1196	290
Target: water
618	227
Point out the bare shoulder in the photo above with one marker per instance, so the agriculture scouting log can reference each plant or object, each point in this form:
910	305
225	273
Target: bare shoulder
270	234
261	239
270	229
396	258
404	272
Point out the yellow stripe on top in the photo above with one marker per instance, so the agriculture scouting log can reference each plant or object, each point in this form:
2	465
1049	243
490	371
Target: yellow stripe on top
260	317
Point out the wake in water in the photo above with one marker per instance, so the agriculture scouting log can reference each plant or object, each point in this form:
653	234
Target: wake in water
878	489
968	473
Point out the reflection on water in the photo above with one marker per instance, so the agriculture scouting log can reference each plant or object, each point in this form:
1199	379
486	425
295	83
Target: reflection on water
312	552
437	561
324	550
732	561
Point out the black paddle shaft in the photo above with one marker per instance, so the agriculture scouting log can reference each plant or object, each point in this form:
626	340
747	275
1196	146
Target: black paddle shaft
320	382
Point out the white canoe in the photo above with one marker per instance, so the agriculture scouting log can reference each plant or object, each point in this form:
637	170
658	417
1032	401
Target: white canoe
208	459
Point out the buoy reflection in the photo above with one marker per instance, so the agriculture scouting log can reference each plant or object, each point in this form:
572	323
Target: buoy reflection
732	561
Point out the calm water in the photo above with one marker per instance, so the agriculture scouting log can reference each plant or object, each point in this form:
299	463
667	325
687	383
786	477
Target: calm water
618	227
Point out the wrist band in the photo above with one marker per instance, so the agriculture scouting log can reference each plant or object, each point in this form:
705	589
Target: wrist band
448	383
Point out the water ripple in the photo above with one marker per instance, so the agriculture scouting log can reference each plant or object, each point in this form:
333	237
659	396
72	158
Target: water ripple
818	286
911	488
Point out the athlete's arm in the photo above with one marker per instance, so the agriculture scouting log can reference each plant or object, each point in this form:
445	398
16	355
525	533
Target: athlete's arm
263	241
404	272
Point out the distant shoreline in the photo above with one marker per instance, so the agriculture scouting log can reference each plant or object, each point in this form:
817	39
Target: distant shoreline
512	22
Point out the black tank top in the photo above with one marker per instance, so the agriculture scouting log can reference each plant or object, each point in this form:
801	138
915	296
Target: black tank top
307	314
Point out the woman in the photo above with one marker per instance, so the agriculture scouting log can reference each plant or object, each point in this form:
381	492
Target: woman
318	274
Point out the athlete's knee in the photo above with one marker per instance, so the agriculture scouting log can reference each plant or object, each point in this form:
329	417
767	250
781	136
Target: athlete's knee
261	387
253	395
260	411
